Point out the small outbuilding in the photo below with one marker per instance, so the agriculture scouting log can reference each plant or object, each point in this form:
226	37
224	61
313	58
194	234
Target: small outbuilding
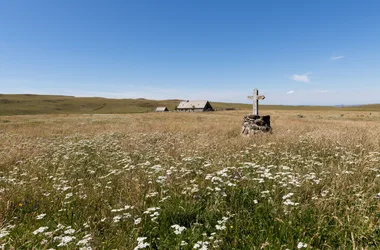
195	106
162	109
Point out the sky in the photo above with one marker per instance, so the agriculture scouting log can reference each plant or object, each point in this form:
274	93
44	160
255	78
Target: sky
323	52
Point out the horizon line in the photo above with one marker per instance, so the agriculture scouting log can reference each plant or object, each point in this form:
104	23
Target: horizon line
175	99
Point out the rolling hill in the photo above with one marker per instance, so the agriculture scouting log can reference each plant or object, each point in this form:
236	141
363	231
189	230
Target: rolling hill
27	104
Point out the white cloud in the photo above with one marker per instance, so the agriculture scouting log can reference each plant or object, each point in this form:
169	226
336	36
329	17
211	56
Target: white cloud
323	91
336	57
331	97
301	78
290	92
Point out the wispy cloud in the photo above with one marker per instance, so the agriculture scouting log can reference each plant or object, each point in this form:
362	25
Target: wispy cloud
336	57
323	91
301	78
290	92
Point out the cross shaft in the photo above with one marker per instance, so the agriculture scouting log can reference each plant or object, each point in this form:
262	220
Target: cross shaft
255	98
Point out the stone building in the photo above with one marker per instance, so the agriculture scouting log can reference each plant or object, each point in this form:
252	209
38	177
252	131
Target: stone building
162	109
195	106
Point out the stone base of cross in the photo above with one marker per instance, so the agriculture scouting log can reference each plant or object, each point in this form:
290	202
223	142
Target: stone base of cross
255	98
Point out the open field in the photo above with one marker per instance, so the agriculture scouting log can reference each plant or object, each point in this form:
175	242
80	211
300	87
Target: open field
49	104
45	104
190	180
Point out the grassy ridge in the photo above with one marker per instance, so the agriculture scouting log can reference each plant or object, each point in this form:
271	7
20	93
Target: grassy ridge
50	104
41	104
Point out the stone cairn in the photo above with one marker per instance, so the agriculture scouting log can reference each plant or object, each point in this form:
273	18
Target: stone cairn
254	124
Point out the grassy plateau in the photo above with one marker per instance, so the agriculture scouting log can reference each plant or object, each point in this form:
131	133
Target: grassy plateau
28	104
190	181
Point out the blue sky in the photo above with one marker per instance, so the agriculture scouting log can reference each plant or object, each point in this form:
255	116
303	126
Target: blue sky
294	52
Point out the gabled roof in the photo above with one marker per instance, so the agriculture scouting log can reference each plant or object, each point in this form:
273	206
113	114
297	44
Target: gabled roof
161	108
191	104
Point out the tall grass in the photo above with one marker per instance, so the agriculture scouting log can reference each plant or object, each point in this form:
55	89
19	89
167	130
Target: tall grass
185	181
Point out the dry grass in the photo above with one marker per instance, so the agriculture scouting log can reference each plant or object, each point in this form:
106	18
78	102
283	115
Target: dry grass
49	104
312	183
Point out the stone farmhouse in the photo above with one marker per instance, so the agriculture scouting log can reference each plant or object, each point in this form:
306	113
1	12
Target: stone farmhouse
162	109
194	106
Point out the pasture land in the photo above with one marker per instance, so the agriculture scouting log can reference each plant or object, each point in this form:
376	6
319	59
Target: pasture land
190	180
28	104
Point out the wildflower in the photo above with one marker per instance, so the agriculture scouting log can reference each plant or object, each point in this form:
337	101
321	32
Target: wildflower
85	240
117	218
3	234
161	179
49	234
126	215
164	199
201	245
141	244
151	209
69	231
221	224
287	196
301	245
230	184
155	214
178	229
121	209
68	195
65	240
184	243
40	216
153	194
324	193
137	221
59	227
290	203
40	230
85	248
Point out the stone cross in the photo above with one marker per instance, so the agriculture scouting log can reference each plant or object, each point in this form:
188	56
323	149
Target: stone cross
256	97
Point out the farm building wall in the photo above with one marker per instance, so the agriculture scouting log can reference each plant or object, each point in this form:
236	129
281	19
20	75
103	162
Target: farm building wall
162	109
194	106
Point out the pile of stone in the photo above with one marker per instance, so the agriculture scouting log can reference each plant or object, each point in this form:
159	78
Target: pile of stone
253	124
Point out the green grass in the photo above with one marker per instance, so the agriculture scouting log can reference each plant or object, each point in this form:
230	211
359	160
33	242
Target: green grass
49	104
103	181
196	195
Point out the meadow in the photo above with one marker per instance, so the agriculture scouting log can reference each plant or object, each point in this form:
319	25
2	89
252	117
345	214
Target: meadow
190	181
28	104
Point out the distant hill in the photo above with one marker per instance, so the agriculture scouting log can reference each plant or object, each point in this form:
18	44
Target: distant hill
55	104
